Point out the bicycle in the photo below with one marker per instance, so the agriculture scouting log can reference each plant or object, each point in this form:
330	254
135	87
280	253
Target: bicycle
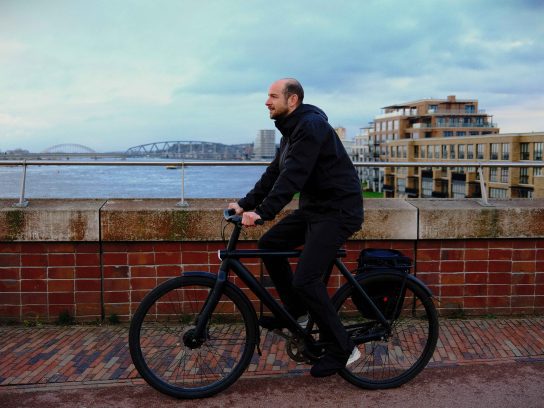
194	335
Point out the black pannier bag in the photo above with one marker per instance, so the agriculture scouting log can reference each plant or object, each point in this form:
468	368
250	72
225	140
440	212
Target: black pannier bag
384	295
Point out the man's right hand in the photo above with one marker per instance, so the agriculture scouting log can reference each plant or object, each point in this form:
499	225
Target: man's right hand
234	206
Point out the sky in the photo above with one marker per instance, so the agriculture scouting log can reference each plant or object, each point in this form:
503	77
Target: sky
112	74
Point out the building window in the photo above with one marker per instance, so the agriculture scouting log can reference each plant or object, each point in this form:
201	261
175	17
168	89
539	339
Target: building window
461	133
494	151
470	152
537	171
452	151
505	151
497	193
423	150
469	108
474	133
401	185
480	151
427	187
416	152
429	152
448	133
538	151
461	152
493	174
458	189
524	175
437	152
524	151
444	151
504	175
404	152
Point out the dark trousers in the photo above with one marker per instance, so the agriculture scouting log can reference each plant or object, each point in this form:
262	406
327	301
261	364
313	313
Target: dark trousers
322	236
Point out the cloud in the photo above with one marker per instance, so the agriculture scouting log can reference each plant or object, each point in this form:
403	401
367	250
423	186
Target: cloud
121	76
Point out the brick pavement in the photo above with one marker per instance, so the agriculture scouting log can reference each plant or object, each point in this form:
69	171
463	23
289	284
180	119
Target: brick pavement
39	356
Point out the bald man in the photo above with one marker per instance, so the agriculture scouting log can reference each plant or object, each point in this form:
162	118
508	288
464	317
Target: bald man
311	161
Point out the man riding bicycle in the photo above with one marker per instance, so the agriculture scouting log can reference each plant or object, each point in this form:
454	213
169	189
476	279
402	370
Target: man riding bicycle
311	160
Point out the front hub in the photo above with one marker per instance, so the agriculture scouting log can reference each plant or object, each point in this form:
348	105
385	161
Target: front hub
191	341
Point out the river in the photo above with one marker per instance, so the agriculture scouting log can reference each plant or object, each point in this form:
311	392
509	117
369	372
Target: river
128	181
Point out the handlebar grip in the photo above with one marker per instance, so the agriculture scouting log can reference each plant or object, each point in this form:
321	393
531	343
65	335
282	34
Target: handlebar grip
230	215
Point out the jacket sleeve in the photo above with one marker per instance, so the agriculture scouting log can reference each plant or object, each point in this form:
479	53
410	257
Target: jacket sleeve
303	152
262	187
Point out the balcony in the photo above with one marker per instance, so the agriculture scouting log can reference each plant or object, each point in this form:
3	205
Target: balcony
388	187
412	192
439	194
452	126
461	111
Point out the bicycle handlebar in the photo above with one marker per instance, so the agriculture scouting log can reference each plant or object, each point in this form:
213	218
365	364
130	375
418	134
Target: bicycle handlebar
230	216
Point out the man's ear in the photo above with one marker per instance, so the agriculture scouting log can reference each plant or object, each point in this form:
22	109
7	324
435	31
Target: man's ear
292	101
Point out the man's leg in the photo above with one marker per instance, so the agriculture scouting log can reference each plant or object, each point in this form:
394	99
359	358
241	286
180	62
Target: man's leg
289	233
323	239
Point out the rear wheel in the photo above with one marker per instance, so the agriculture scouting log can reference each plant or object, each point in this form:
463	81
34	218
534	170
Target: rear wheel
163	347
388	359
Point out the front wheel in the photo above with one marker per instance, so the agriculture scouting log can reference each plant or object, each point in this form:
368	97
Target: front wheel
165	352
388	359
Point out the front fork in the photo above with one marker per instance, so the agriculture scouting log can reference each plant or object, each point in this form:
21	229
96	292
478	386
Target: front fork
209	306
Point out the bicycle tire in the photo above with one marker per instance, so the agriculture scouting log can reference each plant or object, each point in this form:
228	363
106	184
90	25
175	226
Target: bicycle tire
167	314
398	358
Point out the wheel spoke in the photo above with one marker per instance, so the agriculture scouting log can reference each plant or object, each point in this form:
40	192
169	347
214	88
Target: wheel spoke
170	360
401	355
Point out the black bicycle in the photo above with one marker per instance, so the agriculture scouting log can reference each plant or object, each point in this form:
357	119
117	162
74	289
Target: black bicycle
194	335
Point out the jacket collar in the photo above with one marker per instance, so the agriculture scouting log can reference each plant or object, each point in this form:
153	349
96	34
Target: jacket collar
287	124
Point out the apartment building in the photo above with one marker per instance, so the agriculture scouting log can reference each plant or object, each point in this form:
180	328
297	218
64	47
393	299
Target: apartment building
449	130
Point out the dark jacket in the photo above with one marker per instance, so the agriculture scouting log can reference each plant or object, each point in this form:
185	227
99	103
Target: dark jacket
311	160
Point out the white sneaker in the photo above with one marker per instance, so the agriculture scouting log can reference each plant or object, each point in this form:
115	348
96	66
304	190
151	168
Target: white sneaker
355	355
303	320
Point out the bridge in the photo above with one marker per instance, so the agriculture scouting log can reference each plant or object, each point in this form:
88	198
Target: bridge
193	150
60	151
180	149
69	148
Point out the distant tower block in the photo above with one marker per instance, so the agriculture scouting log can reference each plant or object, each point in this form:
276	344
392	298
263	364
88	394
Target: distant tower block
265	144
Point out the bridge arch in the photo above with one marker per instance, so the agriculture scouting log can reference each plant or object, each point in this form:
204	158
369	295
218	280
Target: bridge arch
190	149
68	148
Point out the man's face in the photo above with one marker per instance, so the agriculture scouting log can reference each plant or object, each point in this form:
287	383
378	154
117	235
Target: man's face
277	102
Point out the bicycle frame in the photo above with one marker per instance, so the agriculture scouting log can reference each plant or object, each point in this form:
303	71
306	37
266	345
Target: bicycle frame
230	261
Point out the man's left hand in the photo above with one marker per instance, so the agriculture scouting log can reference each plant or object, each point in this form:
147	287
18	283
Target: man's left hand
249	218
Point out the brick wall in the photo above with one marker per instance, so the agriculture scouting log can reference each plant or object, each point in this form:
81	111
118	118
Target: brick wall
497	276
93	280
42	280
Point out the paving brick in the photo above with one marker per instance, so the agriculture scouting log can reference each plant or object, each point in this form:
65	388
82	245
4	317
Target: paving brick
86	354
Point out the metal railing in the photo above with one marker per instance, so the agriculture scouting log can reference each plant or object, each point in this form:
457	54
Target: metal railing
182	164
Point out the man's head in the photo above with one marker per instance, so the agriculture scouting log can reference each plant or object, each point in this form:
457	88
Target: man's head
284	96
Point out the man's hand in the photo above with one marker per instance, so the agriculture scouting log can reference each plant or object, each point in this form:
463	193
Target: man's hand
234	206
249	218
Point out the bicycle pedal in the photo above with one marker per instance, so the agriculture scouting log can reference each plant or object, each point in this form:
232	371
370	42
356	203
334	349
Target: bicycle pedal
282	333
